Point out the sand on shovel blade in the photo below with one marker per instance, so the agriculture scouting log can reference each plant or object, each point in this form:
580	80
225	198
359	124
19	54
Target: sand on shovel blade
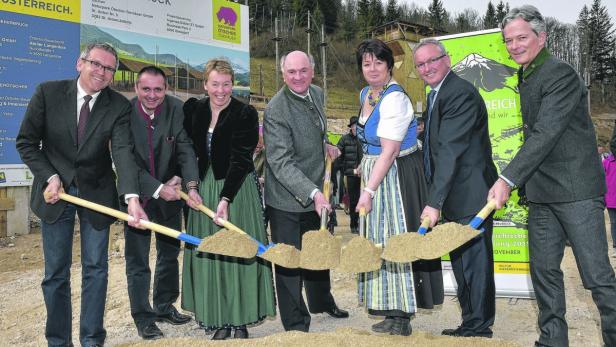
441	240
283	255
402	248
360	255
320	250
445	238
229	243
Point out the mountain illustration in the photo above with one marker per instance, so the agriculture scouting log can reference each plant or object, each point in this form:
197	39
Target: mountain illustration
484	73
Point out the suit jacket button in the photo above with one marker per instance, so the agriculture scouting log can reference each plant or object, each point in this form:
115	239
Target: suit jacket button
525	126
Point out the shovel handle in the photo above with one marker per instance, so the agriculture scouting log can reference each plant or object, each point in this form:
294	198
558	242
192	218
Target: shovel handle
425	225
362	221
128	218
212	215
483	214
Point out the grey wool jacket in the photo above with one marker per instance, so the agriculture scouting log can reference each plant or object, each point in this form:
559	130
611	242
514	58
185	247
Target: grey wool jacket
294	134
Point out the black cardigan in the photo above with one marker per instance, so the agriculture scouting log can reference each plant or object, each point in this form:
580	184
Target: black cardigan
234	139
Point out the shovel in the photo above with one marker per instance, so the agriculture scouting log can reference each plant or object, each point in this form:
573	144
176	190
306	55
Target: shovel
360	254
320	249
280	254
444	238
127	218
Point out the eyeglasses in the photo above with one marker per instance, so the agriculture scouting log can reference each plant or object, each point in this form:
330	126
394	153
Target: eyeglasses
99	66
430	61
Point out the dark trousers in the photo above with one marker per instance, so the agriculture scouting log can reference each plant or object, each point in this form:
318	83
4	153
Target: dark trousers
582	223
288	227
56	285
612	213
353	188
473	268
138	275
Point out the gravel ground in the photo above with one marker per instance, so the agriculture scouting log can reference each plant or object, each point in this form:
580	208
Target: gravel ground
23	312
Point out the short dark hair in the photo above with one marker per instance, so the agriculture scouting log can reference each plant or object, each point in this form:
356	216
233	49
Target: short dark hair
377	48
152	70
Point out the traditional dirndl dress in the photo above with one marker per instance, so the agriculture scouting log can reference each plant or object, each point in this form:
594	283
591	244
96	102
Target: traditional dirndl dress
391	288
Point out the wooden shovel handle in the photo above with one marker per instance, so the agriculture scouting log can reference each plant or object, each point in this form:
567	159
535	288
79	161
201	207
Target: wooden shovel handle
212	215
119	215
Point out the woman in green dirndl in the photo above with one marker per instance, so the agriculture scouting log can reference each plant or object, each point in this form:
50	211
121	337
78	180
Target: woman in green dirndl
225	293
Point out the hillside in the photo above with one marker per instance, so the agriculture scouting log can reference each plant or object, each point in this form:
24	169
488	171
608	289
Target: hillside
342	102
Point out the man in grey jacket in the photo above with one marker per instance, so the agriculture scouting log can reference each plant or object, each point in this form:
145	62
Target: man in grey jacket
295	134
564	181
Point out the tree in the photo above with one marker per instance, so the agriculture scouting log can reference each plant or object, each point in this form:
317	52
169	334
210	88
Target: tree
348	27
584	37
601	41
364	17
378	13
330	9
438	15
490	20
467	20
501	11
392	12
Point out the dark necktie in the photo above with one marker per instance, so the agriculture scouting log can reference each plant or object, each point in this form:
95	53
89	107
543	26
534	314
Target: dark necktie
84	114
426	143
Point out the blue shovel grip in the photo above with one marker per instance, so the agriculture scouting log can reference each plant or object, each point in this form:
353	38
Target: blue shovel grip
263	248
189	239
422	230
476	222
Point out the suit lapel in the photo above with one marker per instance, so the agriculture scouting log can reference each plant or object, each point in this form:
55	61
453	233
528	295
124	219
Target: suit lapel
70	108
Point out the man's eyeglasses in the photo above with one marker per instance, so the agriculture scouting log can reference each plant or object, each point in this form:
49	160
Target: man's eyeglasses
99	66
430	61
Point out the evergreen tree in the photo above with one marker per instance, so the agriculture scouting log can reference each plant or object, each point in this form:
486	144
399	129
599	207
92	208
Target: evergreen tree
392	12
500	12
378	13
364	16
584	38
601	41
301	8
348	18
466	21
330	9
490	20
438	15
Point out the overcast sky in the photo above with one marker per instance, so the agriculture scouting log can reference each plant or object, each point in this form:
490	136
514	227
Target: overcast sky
566	11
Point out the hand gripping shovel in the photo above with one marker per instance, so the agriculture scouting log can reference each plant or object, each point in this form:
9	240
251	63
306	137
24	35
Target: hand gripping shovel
127	218
444	238
320	249
360	254
280	254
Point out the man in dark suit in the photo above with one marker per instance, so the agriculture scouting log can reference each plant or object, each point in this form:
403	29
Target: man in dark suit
65	138
295	133
562	173
162	150
459	169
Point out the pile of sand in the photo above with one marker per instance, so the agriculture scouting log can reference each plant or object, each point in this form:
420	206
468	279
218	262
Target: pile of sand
320	250
360	255
230	243
283	255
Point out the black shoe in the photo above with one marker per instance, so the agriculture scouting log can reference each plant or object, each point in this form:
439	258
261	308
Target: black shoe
241	333
459	331
384	326
173	317
337	313
354	230
150	332
401	326
94	345
208	330
222	334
